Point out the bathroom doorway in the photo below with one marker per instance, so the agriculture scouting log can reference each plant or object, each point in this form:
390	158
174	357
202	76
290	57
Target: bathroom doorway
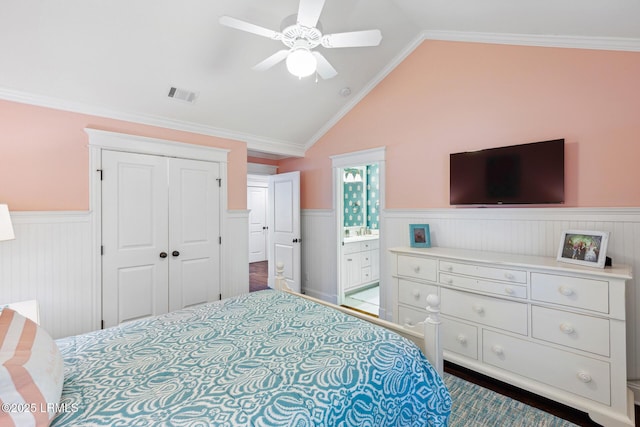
359	182
360	246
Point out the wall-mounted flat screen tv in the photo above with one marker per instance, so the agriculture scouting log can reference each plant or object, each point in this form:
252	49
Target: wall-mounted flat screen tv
518	174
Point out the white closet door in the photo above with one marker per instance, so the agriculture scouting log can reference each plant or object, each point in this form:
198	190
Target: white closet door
194	213
134	236
257	204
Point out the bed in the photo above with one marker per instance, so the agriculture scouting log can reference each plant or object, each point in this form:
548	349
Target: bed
268	358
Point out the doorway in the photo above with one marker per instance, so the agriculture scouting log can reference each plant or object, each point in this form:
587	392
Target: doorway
360	232
257	204
359	183
274	228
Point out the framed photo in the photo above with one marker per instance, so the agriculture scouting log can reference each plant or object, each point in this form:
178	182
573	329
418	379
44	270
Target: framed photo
419	236
584	247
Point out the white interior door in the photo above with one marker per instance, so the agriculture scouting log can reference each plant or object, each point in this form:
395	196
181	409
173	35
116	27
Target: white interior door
284	227
134	220
257	204
194	230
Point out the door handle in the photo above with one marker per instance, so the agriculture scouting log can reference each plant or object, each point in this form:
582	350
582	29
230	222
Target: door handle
163	254
175	253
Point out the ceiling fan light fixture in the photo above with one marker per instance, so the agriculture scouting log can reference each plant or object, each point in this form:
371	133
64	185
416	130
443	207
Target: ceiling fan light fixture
301	62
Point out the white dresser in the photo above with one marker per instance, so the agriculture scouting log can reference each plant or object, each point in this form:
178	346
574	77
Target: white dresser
552	328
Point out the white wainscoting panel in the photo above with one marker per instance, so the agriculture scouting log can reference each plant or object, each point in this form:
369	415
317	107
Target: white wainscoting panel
50	261
530	231
319	254
235	254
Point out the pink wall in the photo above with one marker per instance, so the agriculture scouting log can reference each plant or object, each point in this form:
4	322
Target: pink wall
448	97
44	157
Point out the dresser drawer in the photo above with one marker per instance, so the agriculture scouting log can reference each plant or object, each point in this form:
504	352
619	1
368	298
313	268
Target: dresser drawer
588	294
420	268
571	329
576	374
408	316
460	338
510	275
498	288
415	294
507	315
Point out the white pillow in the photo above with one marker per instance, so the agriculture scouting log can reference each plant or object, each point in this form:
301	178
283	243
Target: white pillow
31	372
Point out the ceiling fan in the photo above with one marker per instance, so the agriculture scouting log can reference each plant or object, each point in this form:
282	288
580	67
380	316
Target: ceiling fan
301	34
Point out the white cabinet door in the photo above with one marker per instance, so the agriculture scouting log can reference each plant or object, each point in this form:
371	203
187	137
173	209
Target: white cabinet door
160	231
194	218
134	236
351	270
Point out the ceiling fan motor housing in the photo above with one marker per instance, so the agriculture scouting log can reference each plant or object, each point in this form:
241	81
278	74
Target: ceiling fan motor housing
296	35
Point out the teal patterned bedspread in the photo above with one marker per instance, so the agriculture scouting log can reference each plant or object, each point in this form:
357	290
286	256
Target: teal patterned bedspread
267	358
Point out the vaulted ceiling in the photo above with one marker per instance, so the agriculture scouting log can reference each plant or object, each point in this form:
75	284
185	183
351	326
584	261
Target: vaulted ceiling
119	58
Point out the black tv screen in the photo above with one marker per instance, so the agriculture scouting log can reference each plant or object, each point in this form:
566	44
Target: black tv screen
518	174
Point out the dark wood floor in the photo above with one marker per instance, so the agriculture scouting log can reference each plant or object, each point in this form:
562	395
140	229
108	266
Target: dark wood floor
258	280
258	272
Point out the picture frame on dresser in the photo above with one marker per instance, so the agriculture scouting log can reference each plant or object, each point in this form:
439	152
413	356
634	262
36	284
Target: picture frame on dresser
588	248
419	235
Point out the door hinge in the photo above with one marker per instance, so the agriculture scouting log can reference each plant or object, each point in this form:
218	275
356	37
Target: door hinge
102	324
220	296
101	250
219	240
99	170
219	182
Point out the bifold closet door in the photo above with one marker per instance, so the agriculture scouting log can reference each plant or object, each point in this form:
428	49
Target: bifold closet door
160	231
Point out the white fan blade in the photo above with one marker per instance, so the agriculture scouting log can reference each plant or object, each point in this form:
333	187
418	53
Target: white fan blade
238	24
309	12
272	60
325	70
353	39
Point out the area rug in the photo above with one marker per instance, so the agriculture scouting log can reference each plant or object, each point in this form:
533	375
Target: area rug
475	406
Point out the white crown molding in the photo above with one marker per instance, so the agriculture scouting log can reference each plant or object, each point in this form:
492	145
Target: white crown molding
253	141
572	42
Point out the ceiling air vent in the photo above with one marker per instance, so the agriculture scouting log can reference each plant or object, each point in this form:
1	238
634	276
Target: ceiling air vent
182	95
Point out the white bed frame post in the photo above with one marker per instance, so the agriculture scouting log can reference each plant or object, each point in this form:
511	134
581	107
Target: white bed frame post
429	340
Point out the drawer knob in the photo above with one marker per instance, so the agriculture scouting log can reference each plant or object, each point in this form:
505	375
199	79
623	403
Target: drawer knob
408	322
461	339
449	281
567	328
565	291
478	308
449	268
509	290
416	269
509	276
415	294
497	349
584	377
